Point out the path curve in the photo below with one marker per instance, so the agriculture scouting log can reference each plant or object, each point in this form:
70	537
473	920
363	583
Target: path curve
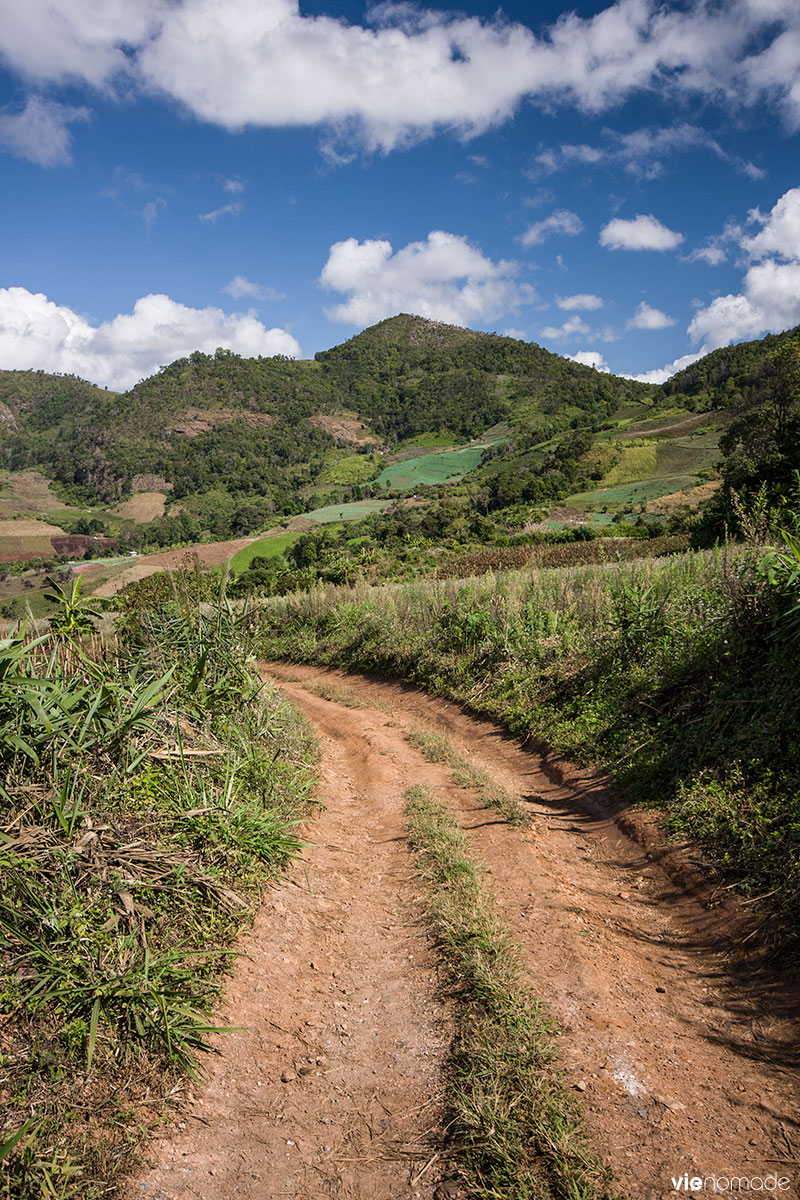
683	1065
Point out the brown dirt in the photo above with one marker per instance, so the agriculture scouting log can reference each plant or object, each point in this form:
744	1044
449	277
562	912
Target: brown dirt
27	492
693	496
200	420
345	428
142	507
685	1060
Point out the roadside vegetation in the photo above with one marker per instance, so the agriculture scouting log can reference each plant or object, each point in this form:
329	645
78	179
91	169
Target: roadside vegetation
438	747
513	1130
151	787
678	676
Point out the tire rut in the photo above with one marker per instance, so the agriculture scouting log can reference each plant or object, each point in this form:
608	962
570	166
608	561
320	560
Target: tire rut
333	1086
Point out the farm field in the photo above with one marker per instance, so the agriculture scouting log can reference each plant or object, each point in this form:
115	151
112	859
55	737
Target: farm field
430	469
632	493
353	510
269	546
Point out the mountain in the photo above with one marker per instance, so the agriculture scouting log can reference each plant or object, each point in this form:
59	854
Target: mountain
269	429
246	424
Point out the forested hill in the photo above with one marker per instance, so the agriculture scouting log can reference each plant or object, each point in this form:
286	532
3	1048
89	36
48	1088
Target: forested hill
251	427
407	375
245	425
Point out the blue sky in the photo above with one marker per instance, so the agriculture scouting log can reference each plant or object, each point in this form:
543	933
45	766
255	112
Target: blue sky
616	182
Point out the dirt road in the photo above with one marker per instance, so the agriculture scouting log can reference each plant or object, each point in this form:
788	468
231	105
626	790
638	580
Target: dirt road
332	1087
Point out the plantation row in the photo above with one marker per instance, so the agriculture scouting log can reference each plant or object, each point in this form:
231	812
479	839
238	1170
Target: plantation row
151	785
676	675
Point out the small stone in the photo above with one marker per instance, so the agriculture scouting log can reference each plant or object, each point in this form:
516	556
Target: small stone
287	1076
580	1086
321	1060
624	895
662	990
304	1069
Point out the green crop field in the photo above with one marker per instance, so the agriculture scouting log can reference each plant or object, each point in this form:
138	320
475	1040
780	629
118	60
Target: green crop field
632	493
431	468
636	463
354	510
270	546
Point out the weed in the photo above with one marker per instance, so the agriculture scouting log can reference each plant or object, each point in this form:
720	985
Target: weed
437	747
515	1131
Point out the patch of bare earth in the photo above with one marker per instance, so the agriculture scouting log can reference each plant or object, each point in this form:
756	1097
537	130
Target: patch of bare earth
142	507
685	1058
345	427
693	496
201	420
27	492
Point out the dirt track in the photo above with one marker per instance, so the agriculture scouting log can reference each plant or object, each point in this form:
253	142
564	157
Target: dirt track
332	1088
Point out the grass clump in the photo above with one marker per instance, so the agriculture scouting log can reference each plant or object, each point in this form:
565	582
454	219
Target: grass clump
337	693
151	786
438	747
514	1130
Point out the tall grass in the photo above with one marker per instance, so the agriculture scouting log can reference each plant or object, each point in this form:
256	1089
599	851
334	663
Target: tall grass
677	675
149	789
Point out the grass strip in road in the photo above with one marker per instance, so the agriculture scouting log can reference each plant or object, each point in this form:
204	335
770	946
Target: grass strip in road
514	1130
437	747
335	692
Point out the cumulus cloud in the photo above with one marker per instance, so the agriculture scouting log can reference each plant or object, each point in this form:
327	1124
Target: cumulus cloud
561	221
646	317
590	358
780	232
571	329
40	131
239	287
662	374
583	302
641	233
407	71
36	333
443	278
770	298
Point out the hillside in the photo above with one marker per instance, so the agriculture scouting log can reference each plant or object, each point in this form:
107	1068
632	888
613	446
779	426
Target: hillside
245	424
219	446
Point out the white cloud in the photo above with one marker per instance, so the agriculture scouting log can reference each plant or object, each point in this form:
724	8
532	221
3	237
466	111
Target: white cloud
240	63
571	329
780	233
235	186
37	334
590	358
519	334
583	302
641	152
443	278
227	210
152	208
646	317
562	221
769	303
40	132
239	287
661	374
770	298
641	233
